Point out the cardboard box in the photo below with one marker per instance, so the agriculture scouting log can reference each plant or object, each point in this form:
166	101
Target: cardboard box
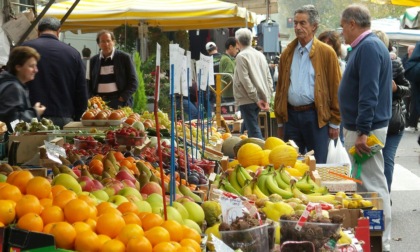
237	125
376	214
350	216
28	147
19	240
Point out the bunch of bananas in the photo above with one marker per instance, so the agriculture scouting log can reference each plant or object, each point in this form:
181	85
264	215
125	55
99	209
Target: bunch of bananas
238	181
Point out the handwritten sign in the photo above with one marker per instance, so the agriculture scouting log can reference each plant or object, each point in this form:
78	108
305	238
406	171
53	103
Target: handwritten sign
232	208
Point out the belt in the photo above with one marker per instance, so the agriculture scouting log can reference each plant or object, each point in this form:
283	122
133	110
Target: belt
301	108
112	95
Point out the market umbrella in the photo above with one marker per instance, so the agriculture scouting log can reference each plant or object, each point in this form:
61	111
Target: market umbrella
169	15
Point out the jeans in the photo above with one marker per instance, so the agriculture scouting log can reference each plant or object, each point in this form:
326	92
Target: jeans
391	145
302	127
190	110
250	113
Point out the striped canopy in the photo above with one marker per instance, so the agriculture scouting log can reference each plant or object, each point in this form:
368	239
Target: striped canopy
169	15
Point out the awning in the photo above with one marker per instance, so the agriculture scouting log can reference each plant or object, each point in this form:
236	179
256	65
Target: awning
406	2
410	19
169	15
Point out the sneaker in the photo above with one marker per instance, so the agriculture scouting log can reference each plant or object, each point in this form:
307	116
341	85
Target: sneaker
411	129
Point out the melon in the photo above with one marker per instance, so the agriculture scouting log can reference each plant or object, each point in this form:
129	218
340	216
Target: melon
228	144
283	155
273	142
266	161
250	154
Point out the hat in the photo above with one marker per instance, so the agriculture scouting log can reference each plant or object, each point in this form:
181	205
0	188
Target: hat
210	46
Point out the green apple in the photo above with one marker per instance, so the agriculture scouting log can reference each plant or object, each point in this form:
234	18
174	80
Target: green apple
181	209
195	212
173	214
143	206
68	182
101	195
117	199
192	224
130	191
155	200
3	177
157	209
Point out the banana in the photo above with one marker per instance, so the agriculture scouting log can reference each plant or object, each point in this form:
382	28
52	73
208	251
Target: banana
322	190
187	192
247	189
273	188
261	183
280	181
285	176
240	177
232	179
256	190
328	198
228	186
245	173
303	185
216	181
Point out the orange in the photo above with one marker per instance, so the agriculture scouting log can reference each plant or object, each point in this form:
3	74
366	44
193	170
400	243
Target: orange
113	245
118	156
176	244
109	224
127	164
139	244
98	157
185	249
81	227
45	202
128	207
243	137
226	136
47	228
39	187
7	211
131	218
190	243
86	241
64	234
142	214
111	210
55	189
130	231
20	179
63	197
164	247
101	206
175	230
102	239
157	234
76	210
93	213
151	220
31	222
96	167
28	204
91	223
191	234
10	192
131	159
87	199
52	214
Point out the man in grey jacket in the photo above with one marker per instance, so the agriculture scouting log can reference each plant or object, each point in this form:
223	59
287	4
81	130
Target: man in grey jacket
252	83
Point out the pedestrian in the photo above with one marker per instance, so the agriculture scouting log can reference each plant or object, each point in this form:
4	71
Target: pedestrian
86	55
212	50
365	98
112	73
252	84
60	84
14	98
407	100
412	68
227	65
306	105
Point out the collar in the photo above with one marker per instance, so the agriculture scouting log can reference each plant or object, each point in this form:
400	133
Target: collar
358	39
47	35
307	47
101	56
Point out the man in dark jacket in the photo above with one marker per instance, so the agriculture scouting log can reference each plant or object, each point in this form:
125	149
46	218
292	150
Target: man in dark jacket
60	83
112	73
412	68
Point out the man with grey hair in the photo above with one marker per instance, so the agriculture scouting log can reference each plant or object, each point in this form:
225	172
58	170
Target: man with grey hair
252	83
306	104
365	97
60	83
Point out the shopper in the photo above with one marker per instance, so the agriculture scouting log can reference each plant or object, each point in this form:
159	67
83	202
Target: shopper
112	73
227	65
365	97
86	55
210	98
252	84
306	105
61	81
14	98
412	68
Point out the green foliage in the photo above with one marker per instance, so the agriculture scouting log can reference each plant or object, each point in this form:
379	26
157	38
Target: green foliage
139	96
126	37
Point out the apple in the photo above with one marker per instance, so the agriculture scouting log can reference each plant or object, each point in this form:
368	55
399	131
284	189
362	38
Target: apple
107	180
173	214
151	187
97	184
128	183
143	206
68	182
77	171
123	174
126	191
113	187
3	177
117	199
155	199
101	195
181	209
86	183
132	198
195	212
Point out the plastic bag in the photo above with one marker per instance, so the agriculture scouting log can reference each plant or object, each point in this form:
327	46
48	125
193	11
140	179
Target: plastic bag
337	154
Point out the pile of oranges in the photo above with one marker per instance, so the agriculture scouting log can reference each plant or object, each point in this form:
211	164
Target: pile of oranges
79	223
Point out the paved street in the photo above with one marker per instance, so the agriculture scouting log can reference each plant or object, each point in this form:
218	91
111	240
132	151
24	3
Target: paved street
406	195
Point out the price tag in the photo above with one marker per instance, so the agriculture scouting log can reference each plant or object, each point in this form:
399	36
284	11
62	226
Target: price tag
54	151
231	208
14	123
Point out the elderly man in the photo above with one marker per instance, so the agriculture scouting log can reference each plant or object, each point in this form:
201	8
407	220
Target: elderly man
365	98
252	84
306	104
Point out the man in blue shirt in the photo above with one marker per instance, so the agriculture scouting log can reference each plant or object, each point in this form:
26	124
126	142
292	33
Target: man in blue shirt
365	97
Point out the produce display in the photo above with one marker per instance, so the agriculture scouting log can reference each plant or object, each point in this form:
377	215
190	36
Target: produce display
35	126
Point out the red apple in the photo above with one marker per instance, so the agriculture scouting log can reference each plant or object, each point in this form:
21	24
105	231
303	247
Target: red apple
125	175
86	183
127	182
77	171
151	187
113	187
97	184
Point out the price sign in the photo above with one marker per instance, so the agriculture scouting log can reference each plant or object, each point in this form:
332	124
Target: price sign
54	151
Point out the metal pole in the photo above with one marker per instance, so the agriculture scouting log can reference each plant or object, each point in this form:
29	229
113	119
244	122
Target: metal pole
69	11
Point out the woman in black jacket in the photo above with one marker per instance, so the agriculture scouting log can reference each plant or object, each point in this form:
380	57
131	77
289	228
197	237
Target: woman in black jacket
14	96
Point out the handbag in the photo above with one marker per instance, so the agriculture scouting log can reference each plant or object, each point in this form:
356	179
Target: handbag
397	121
